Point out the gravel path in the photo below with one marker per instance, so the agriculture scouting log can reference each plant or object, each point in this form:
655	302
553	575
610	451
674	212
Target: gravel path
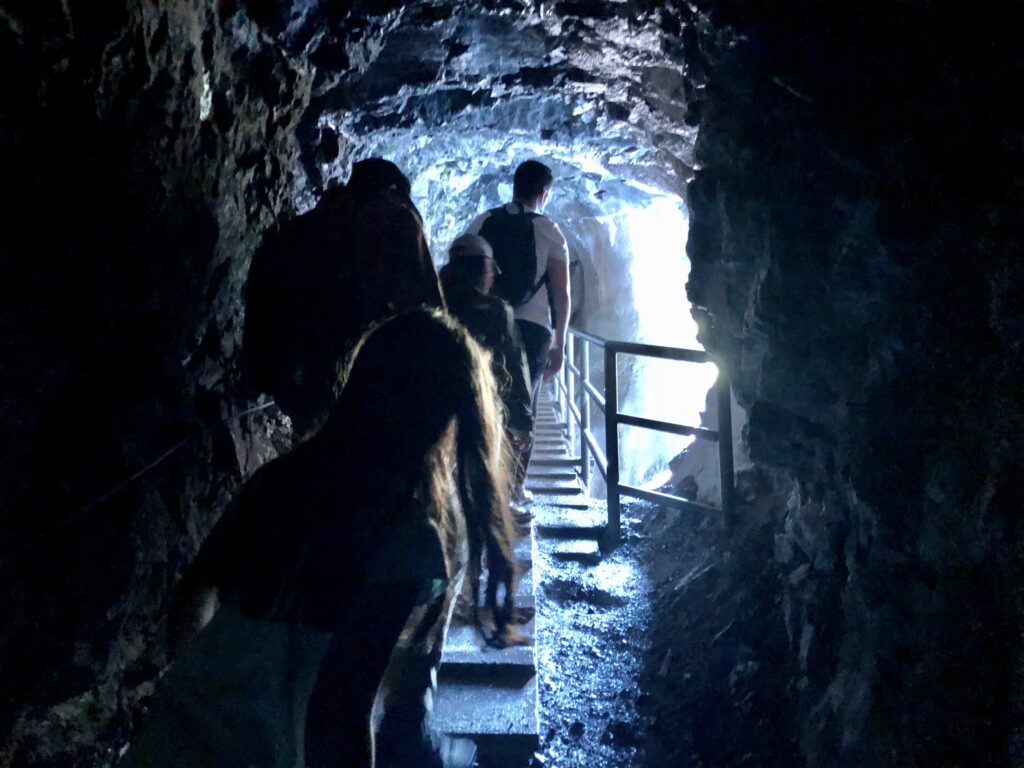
592	623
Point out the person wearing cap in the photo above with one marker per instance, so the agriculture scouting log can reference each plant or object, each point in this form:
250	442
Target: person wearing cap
467	280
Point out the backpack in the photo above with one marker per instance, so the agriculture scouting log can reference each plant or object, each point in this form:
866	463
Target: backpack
515	252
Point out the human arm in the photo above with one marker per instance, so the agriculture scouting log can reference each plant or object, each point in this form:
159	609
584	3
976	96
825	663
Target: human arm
558	291
196	596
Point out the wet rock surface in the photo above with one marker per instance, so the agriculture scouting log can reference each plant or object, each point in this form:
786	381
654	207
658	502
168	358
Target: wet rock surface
653	656
592	624
855	241
144	149
854	278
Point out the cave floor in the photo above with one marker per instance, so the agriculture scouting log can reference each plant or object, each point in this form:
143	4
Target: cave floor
641	659
595	625
592	623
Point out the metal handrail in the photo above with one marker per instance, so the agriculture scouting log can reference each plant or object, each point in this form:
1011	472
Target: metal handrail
606	458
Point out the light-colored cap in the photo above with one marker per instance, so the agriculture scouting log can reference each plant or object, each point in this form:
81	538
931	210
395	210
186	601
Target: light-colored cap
470	245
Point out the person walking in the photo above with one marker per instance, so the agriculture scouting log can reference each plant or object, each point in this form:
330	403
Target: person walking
320	281
324	593
467	280
533	257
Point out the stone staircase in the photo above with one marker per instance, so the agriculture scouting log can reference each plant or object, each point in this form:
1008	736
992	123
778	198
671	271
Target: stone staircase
487	699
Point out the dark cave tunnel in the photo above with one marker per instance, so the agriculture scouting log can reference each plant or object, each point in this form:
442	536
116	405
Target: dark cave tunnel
850	177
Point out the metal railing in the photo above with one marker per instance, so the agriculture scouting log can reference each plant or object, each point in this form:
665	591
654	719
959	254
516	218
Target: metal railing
573	381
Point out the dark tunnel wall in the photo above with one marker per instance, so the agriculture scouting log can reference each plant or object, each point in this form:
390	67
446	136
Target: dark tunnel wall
144	148
855	242
856	246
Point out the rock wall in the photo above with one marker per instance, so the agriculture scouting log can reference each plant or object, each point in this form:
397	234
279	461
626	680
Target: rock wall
145	148
855	242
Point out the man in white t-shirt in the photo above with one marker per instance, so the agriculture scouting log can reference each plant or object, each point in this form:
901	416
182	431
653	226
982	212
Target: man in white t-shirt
533	257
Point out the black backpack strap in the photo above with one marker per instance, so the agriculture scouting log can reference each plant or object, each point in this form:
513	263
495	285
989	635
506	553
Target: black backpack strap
518	286
543	281
544	278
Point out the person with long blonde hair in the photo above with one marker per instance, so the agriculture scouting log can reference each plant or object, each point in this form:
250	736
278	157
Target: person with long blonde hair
338	566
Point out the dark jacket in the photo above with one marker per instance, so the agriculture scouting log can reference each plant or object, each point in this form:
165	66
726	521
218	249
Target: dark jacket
319	282
490	321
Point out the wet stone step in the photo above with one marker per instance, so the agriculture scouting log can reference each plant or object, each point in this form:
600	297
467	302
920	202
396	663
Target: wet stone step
561	447
584	551
543	455
467	657
554	490
569	482
580	503
481	712
565	475
549	451
565	521
552	461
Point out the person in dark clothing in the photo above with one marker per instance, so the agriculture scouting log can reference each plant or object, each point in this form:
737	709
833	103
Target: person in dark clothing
467	279
533	255
336	569
319	282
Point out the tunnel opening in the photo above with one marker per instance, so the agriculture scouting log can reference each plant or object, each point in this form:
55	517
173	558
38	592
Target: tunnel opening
627	231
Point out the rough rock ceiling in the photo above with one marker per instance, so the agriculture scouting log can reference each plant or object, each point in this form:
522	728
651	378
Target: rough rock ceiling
593	82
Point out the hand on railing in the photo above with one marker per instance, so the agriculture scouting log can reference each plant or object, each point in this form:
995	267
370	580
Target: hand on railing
556	356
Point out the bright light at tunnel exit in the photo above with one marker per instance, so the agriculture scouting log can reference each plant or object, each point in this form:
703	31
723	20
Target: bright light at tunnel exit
665	390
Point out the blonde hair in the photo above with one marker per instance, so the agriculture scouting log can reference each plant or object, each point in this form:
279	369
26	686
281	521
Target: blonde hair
419	389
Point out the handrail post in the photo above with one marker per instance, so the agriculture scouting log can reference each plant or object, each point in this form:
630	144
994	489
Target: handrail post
570	390
584	413
558	390
612	532
723	396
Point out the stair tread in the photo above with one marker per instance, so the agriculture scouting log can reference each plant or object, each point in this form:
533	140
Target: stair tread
578	550
464	648
472	710
553	461
555	490
567	475
561	522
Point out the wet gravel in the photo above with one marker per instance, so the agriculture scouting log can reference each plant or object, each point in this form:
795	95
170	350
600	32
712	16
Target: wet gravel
671	652
593	624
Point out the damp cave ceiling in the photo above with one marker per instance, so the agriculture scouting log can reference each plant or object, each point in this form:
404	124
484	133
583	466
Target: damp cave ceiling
596	88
